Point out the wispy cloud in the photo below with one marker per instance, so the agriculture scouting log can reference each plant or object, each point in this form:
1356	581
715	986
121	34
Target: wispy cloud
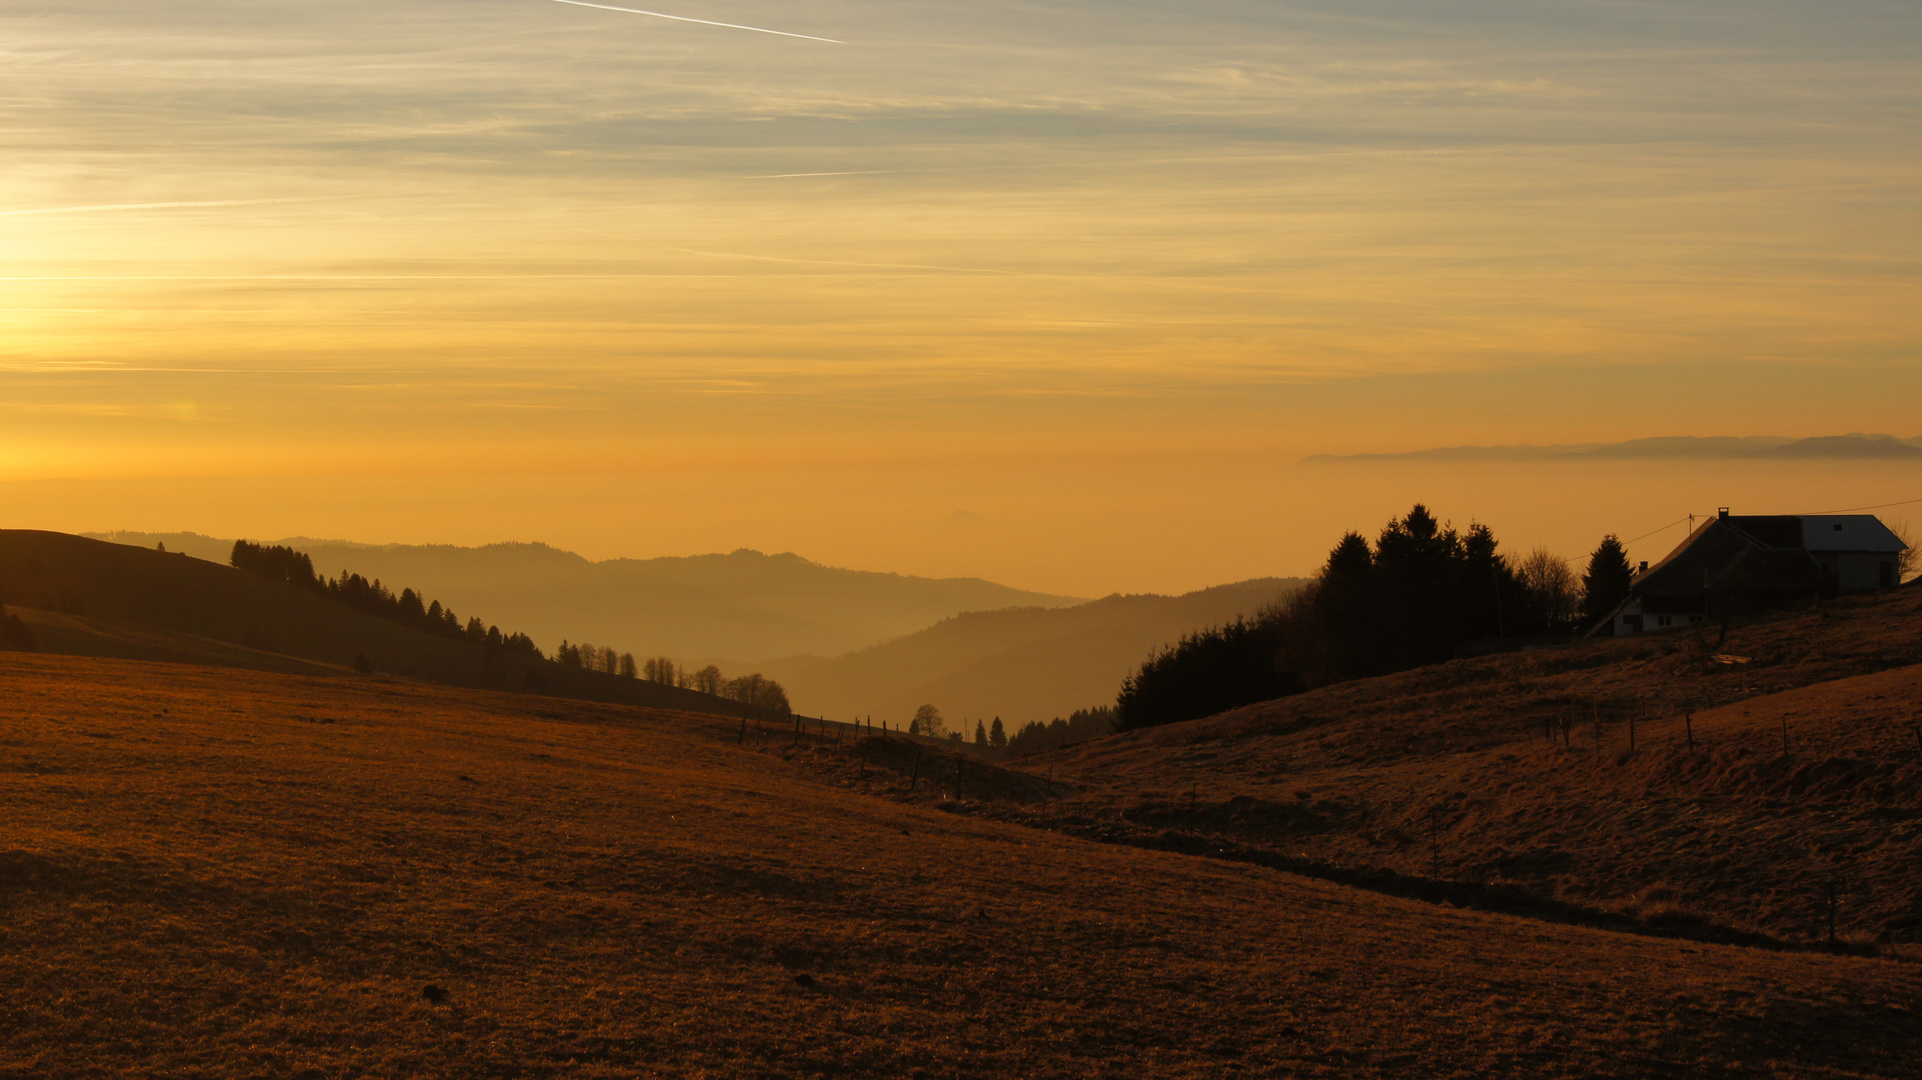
108	207
703	22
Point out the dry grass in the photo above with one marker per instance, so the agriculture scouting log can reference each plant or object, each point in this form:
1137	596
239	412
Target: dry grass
1379	773
211	873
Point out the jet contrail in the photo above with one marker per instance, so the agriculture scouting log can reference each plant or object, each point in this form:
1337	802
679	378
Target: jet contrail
703	22
167	205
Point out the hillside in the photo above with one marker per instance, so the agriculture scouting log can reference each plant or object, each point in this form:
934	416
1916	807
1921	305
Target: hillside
741	608
224	873
91	598
1450	771
1021	664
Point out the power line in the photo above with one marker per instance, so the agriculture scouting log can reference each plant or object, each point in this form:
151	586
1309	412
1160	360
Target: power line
1853	509
1646	535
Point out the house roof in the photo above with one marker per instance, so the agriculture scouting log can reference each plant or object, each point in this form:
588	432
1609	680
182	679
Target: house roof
1760	553
1768	530
1849	532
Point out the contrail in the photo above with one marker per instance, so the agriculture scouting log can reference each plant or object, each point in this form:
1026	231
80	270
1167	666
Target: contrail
703	22
166	205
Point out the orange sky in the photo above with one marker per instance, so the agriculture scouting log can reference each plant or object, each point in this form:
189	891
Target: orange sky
1052	293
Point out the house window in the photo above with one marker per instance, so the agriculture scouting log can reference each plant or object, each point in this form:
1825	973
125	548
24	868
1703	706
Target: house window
1664	620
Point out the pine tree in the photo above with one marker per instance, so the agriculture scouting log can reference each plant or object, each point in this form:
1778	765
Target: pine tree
997	735
1606	583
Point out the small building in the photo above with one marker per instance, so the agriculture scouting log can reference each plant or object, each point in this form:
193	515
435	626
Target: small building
1735	563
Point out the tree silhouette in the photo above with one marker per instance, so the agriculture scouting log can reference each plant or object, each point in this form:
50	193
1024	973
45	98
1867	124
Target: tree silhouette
997	735
927	721
1079	725
1550	591
278	563
1605	585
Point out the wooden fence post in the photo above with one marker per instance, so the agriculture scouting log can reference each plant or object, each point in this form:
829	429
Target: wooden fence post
1688	723
916	778
742	737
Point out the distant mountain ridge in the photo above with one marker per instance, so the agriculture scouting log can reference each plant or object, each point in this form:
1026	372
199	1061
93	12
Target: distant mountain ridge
1020	664
1669	448
740	608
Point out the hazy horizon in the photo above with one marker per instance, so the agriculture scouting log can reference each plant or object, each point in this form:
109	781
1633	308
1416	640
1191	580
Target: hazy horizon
1262	519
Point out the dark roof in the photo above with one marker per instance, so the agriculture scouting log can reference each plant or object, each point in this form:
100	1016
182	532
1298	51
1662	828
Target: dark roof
1770	530
1725	554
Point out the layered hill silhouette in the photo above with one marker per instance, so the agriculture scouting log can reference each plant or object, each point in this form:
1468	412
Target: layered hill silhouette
91	598
1672	448
1021	664
739	608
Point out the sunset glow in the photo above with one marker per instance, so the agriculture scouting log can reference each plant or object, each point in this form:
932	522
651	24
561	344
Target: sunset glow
1053	293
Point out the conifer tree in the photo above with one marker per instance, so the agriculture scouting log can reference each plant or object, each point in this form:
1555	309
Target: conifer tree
1606	582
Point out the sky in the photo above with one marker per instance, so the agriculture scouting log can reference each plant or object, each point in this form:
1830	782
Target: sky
1058	294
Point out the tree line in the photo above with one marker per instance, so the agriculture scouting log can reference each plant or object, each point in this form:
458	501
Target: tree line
1080	725
1033	737
296	568
1415	596
279	563
754	689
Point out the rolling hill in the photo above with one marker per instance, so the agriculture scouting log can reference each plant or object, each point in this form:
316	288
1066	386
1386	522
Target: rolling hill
1021	664
92	598
218	873
740	608
1731	781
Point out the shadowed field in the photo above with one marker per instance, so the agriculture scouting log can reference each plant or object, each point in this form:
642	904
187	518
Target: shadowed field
210	872
1519	769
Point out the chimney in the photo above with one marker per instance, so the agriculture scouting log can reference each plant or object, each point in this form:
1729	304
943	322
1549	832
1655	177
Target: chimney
1722	512
1644	566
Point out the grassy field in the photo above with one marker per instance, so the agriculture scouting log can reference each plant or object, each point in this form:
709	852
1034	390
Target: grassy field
210	872
1519	769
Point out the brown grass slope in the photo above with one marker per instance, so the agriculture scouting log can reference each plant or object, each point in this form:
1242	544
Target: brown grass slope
1449	771
208	872
86	597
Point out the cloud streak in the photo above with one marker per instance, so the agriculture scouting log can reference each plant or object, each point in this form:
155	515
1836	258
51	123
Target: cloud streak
105	207
703	22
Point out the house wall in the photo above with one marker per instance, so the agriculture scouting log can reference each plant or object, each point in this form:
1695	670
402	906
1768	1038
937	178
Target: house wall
1632	620
1855	571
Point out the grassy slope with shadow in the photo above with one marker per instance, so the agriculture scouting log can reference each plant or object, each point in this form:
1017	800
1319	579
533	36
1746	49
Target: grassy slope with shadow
90	598
216	873
1378	773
